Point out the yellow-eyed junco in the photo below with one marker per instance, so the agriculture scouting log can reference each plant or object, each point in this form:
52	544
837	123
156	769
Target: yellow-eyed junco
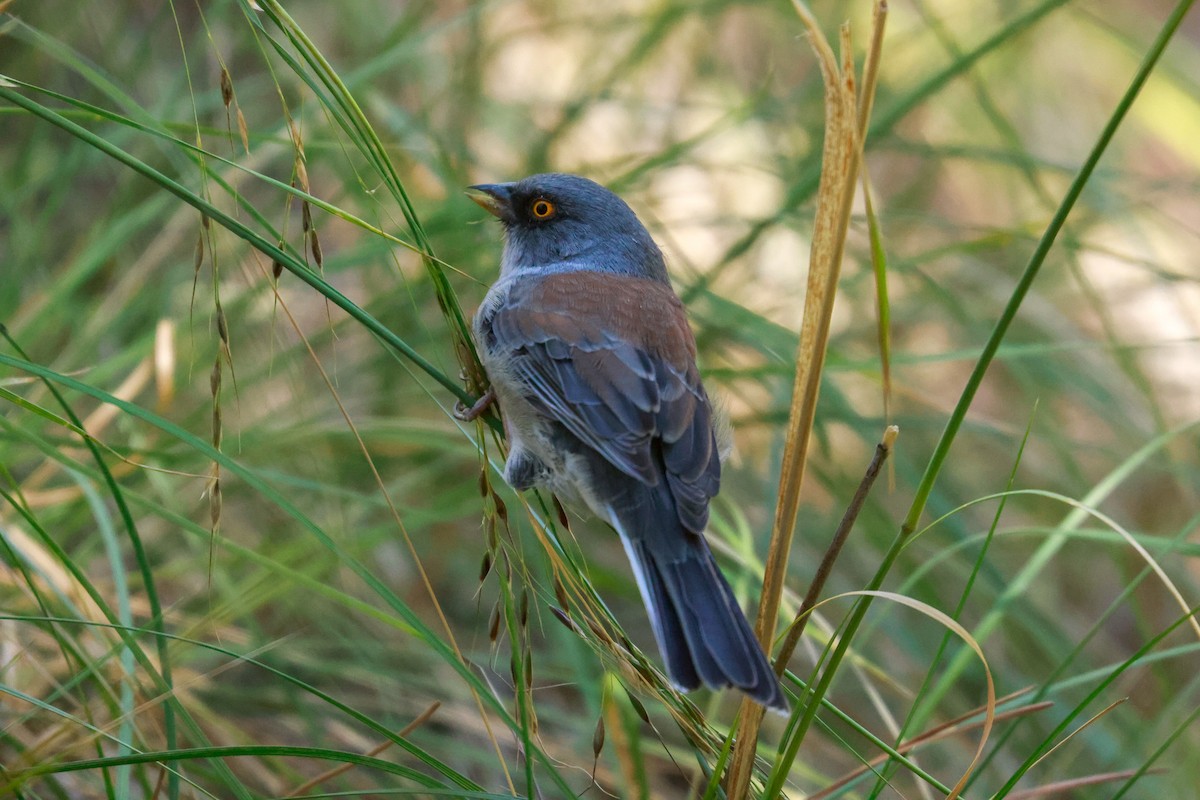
593	364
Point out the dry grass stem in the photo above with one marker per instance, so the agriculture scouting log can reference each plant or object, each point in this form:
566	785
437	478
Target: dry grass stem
841	154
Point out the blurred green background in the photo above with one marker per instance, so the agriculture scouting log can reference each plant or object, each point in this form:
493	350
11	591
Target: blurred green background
707	117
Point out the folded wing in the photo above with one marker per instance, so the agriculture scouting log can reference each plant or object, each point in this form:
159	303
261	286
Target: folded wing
612	359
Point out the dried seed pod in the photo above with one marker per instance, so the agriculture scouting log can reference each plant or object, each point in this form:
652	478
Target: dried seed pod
562	617
598	737
599	632
226	87
302	171
638	708
318	257
198	258
243	132
494	623
214	502
523	614
485	567
222	326
561	593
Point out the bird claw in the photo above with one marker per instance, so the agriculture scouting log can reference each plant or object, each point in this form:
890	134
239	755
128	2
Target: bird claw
470	414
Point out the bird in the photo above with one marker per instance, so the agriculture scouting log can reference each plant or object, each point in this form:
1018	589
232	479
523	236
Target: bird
592	362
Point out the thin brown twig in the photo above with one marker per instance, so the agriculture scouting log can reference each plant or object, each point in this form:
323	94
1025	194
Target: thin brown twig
1065	787
825	568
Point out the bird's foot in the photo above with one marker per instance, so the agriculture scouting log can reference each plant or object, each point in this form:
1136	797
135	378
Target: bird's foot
472	413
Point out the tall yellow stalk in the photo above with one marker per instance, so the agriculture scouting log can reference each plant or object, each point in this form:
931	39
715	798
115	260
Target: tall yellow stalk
840	158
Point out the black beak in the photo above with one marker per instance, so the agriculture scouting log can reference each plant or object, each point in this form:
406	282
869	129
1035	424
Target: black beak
495	198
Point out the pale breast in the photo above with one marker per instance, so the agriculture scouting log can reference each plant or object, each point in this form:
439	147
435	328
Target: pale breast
497	357
525	426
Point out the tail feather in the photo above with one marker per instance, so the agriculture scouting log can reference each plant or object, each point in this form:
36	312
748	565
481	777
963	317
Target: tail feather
717	643
701	631
668	630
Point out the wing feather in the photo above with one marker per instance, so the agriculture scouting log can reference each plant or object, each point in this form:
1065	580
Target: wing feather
612	359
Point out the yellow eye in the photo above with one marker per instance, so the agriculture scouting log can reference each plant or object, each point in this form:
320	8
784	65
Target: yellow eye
542	208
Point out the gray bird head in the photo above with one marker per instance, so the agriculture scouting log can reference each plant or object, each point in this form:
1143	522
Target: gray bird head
558	223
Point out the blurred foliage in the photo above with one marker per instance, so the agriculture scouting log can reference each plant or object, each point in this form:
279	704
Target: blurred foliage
311	596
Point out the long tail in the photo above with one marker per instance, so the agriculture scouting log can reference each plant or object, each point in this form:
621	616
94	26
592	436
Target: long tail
701	631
